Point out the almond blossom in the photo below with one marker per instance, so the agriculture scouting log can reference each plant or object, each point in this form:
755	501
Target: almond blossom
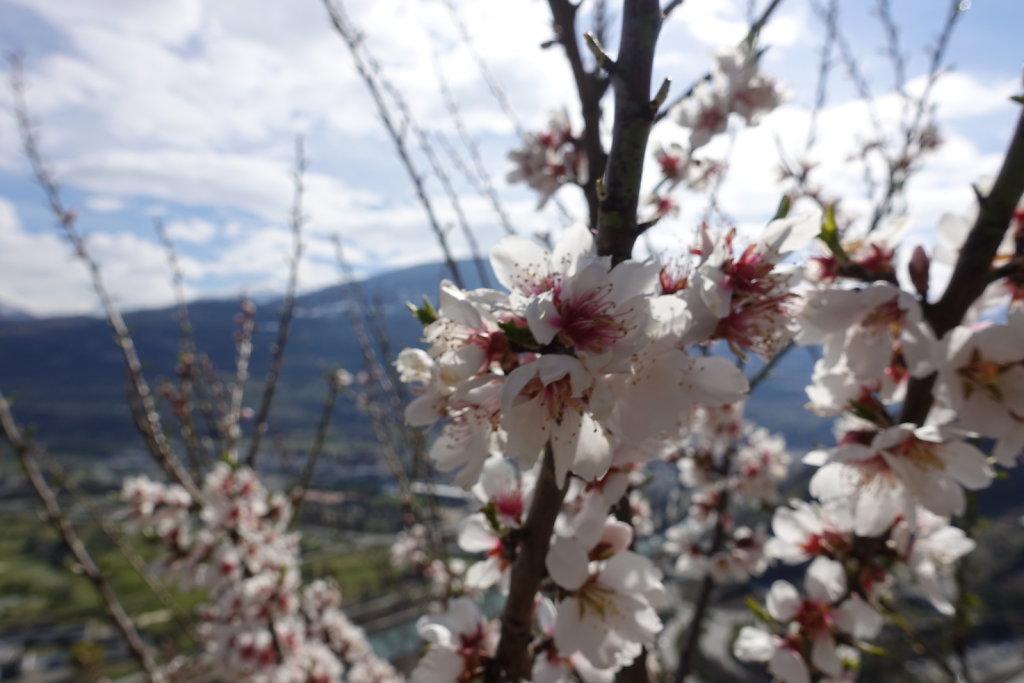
931	547
859	330
982	380
258	623
809	625
607	612
735	86
883	475
460	641
548	159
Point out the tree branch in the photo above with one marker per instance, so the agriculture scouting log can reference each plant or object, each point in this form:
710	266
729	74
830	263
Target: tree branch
147	419
634	116
285	321
24	450
971	273
353	39
512	661
590	86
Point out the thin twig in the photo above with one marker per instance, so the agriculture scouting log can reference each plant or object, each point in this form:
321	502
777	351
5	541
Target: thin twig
900	166
146	419
25	452
707	587
182	403
302	487
670	7
384	405
482	180
755	29
492	83
288	311
590	87
231	421
883	10
824	70
353	39
409	123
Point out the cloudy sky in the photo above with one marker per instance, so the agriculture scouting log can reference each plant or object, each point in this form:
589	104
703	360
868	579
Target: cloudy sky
188	109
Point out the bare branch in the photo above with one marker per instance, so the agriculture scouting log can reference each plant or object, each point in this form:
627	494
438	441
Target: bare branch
883	10
442	175
147	419
900	166
288	311
385	407
182	401
707	587
334	384
830	19
824	70
483	179
492	83
352	38
231	420
590	86
634	116
670	7
25	451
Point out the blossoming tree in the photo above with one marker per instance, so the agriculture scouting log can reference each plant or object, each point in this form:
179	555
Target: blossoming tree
552	398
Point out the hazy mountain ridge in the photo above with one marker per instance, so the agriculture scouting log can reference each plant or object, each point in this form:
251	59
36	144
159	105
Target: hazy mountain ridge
67	377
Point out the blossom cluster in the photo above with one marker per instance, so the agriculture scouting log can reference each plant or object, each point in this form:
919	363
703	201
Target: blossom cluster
549	159
735	86
725	460
887	490
593	367
259	624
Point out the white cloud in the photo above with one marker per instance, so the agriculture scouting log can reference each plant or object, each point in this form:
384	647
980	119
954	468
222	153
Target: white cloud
104	204
193	231
191	106
42	276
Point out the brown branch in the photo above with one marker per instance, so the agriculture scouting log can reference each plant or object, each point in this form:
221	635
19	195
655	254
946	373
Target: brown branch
299	491
590	87
288	312
971	273
900	168
883	10
830	19
353	39
25	451
824	70
182	405
670	7
146	419
409	123
707	586
512	661
483	178
634	115
384	405
492	83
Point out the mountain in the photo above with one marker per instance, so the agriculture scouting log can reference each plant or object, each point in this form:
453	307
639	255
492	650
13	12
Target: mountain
10	313
67	379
